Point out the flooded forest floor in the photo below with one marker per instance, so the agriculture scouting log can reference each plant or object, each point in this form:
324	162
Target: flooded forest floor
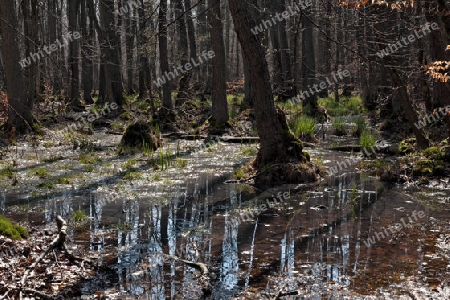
173	223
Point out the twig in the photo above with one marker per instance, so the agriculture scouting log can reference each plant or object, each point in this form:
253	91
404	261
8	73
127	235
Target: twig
57	242
40	294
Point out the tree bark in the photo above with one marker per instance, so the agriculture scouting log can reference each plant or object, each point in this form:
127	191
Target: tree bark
183	52
163	54
111	74
191	35
308	62
87	32
219	90
20	104
410	114
130	41
74	95
144	73
276	141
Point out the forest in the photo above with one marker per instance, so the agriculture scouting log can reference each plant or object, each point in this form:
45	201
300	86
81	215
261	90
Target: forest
224	149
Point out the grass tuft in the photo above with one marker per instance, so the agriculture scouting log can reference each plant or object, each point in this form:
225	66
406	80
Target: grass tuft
79	215
303	126
367	140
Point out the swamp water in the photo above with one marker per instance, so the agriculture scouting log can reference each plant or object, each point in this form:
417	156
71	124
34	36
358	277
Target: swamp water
314	244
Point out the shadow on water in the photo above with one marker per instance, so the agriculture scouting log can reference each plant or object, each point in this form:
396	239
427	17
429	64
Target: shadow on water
337	234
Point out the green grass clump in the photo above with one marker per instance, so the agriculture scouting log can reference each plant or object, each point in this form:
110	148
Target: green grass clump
333	108
249	151
292	108
181	163
116	126
132	175
239	174
53	158
41	172
11	230
7	172
303	126
367	140
156	177
129	164
142	105
88	158
235	99
360	125
79	215
345	106
339	126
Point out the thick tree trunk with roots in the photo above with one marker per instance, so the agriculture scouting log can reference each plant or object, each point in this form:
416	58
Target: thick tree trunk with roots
277	144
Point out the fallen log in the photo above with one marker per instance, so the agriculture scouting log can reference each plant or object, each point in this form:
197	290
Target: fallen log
240	139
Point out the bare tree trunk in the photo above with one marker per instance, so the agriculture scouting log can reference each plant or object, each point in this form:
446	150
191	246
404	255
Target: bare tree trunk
288	89
183	52
219	90
87	32
130	41
31	41
308	62
110	74
163	53
51	19
191	35
20	104
74	94
144	72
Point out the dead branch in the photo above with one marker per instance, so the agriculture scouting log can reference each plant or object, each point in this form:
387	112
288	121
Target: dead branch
60	243
197	265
